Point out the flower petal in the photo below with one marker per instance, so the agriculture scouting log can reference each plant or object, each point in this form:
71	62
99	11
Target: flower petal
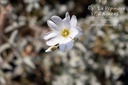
79	34
78	28
57	20
62	47
70	44
50	35
66	23
73	21
67	15
62	44
75	32
53	41
52	25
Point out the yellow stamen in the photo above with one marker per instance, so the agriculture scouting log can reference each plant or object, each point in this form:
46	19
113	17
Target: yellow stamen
65	33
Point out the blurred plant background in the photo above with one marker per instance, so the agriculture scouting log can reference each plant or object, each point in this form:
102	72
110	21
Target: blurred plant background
99	57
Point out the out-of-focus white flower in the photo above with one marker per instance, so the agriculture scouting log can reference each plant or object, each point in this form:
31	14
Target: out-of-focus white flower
64	79
2	80
63	32
115	2
4	47
114	21
32	4
116	71
31	1
28	62
4	2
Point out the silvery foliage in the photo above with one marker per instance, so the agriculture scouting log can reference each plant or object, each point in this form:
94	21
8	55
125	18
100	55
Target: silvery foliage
79	66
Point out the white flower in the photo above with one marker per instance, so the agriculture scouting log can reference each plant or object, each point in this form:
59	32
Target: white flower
64	31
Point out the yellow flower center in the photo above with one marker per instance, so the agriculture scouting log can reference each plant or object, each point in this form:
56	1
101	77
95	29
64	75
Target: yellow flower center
65	33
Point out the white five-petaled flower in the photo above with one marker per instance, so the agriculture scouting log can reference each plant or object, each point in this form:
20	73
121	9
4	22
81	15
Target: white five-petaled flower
63	33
